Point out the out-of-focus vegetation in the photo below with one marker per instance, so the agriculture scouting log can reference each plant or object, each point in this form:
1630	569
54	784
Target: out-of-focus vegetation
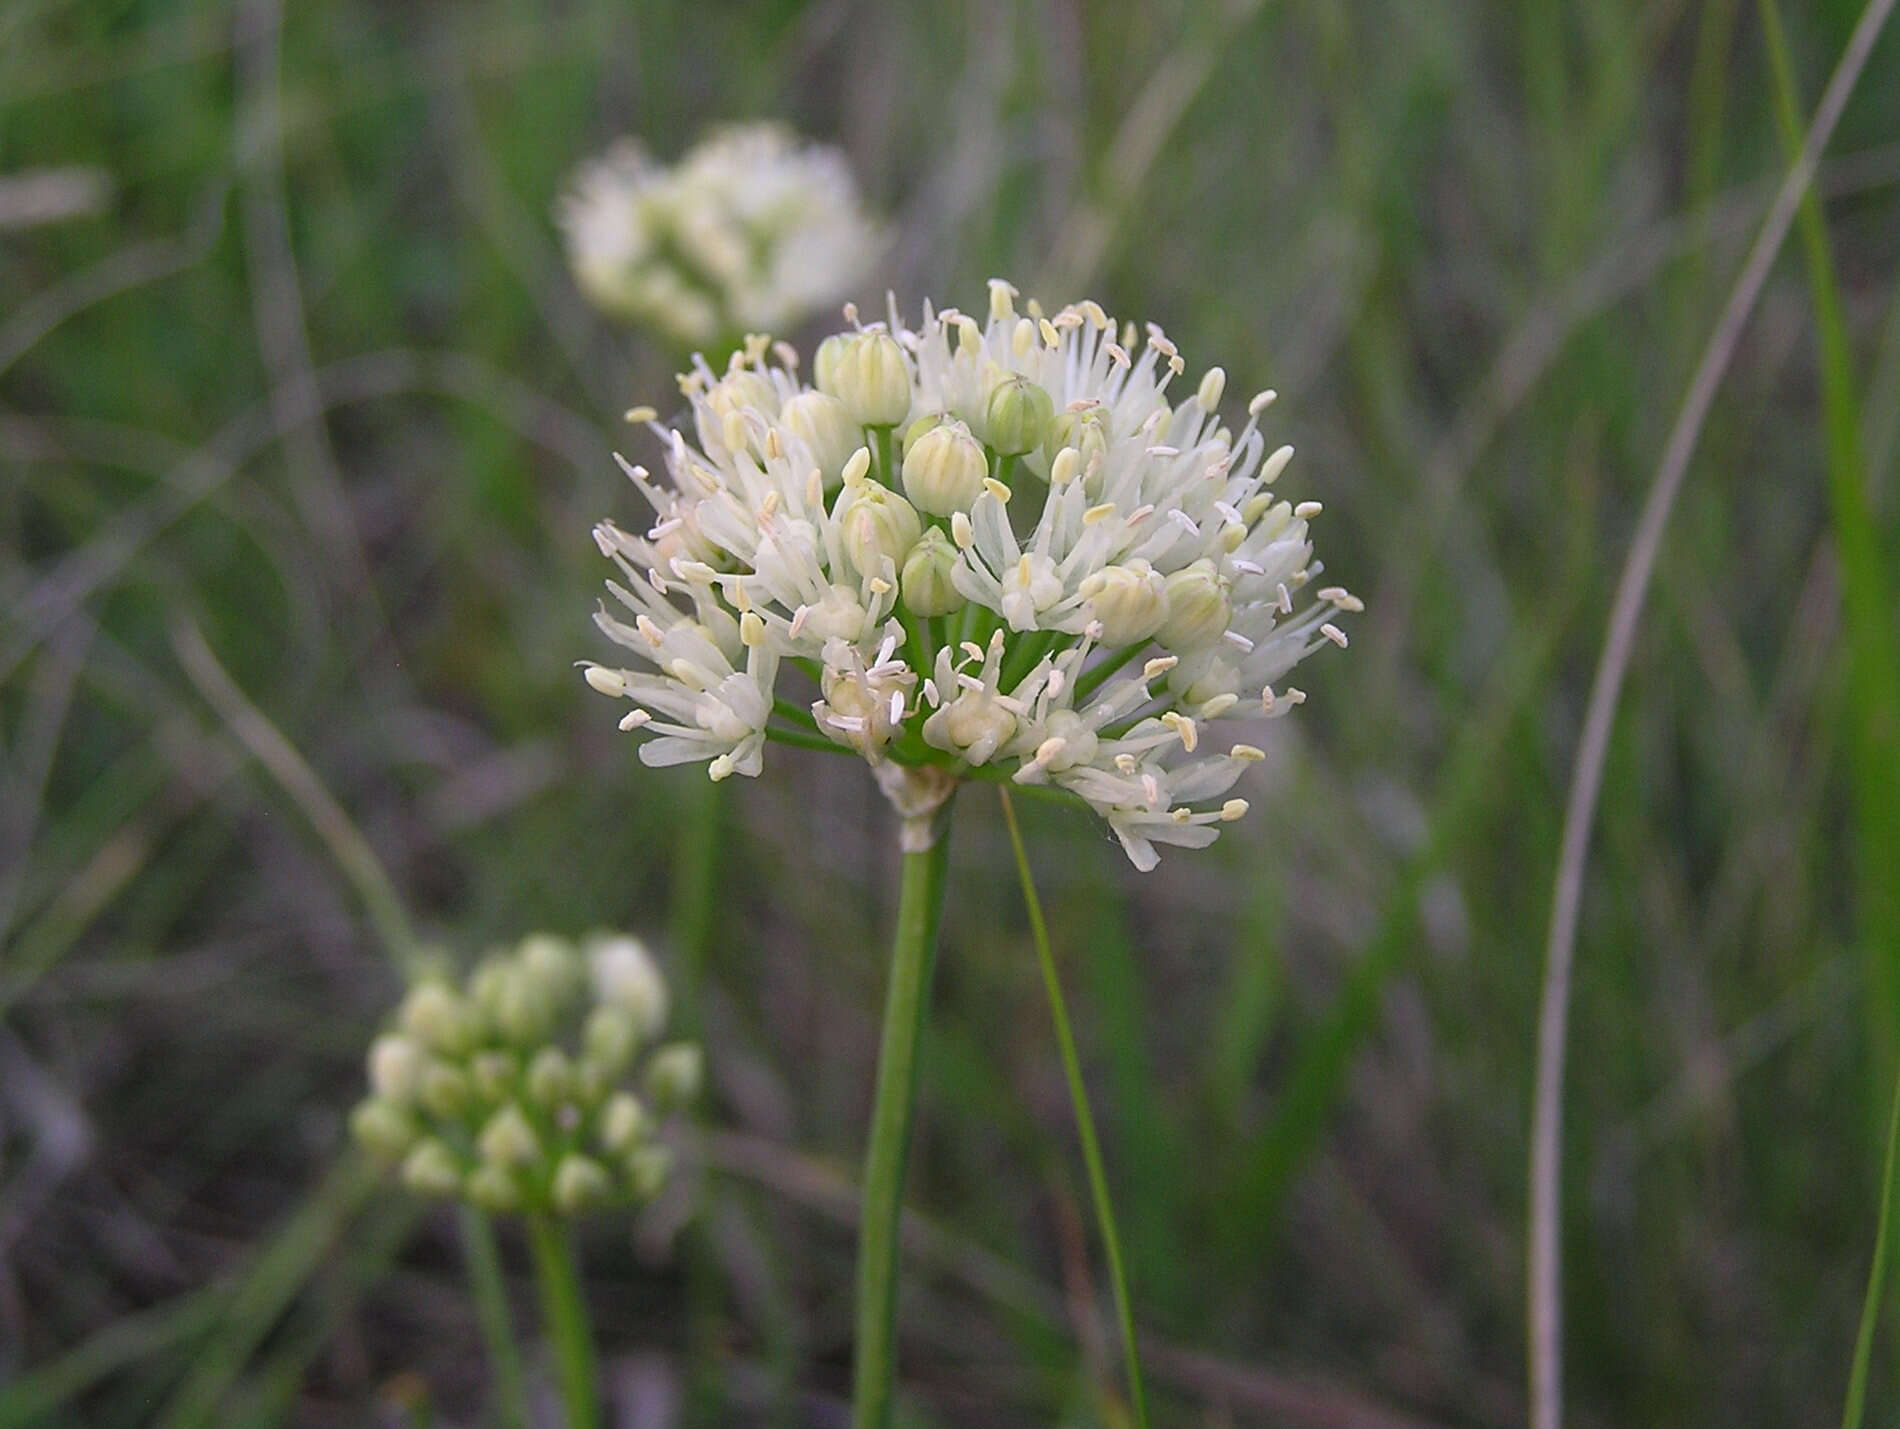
303	427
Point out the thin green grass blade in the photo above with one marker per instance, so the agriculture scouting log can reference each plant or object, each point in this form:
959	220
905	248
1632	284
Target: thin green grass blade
1873	676
1856	1406
1084	1118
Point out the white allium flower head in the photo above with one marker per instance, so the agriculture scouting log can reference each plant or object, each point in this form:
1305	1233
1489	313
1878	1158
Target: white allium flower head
1032	565
753	228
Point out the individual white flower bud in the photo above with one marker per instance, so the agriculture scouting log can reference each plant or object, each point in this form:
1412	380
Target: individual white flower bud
821	422
824	362
443	1090
431	1169
493	1074
622	1122
552	964
508	1139
626	977
870	375
523	1010
382	1129
435	1016
610	1038
1199	610
580	1184
395	1068
732	395
550	1079
1130	601
944	469
1017	415
878	526
492	1189
674	1074
647	1170
925	580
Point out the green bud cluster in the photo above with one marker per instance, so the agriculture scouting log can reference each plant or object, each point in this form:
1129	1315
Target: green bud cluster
524	1087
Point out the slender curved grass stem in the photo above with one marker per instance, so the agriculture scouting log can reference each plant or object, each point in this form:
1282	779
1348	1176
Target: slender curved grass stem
913	954
483	1263
564	1316
1084	1117
1856	1406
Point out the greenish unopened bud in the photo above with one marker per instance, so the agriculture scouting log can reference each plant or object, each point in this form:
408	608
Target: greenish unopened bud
1017	416
431	1169
1086	433
524	1012
444	1091
550	1078
552	965
647	1169
821	422
878	526
1130	601
395	1068
622	1122
382	1129
492	1189
944	469
626	977
508	1139
436	1017
824	362
871	376
674	1074
494	1074
1199	611
925	580
610	1038
579	1184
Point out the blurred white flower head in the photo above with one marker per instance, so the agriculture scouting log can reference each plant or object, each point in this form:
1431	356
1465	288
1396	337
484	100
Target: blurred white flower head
1032	565
752	229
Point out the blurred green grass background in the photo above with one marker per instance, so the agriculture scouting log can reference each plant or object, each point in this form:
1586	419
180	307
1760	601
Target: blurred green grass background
308	377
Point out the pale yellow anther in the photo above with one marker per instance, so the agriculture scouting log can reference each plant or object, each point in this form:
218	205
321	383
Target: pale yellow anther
787	355
1247	753
1159	666
1308	509
1050	748
1233	809
1097	513
768	506
1271	468
648	630
1065	467
1213	385
751	630
1034	308
1117	354
1181	814
857	466
642	414
774	448
996	489
880	586
634	719
608	682
1050	337
1183	727
972	649
1022	337
960	531
1001	306
1092	310
1125	763
1177	365
1219	705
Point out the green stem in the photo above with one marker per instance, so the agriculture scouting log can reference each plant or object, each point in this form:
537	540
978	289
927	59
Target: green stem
913	953
564	1316
799	739
483	1263
1086	682
1084	1118
1856	1406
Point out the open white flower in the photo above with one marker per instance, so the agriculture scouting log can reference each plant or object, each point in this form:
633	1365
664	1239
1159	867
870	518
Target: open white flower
1117	584
753	228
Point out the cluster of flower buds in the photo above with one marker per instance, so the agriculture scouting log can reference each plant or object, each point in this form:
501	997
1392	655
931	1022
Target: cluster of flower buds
997	550
514	1090
752	228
